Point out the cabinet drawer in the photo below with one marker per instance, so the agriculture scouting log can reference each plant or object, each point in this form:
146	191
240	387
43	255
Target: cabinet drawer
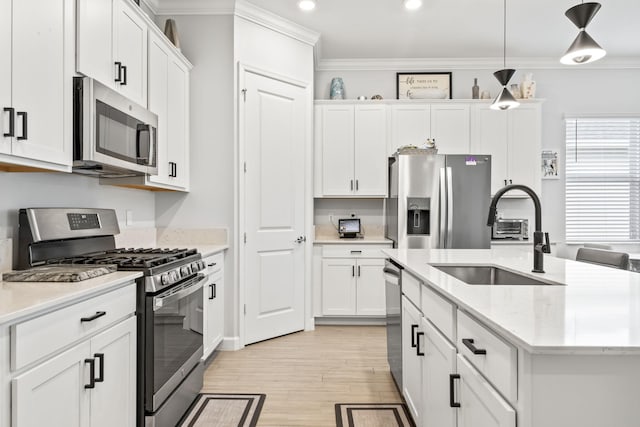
498	364
411	288
34	339
214	263
439	311
353	251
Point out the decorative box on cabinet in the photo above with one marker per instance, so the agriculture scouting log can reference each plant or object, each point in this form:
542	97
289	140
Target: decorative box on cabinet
112	45
350	150
89	378
37	45
446	123
513	138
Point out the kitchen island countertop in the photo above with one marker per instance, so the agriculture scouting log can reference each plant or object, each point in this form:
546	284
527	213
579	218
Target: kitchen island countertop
596	310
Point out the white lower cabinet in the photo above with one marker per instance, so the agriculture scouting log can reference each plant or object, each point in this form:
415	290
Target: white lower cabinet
480	403
92	384
213	308
412	359
89	378
353	287
438	367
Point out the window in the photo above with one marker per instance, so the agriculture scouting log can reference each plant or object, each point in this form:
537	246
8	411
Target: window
603	179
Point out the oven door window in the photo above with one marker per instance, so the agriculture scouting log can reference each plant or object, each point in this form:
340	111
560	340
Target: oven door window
177	334
124	137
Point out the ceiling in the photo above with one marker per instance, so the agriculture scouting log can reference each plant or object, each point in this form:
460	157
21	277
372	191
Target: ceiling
470	29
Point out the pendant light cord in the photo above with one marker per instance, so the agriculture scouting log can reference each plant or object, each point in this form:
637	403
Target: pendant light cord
504	37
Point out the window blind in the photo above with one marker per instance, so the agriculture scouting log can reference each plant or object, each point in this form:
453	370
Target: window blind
603	179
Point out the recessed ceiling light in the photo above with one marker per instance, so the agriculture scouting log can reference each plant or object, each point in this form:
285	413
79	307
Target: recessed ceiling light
412	4
307	4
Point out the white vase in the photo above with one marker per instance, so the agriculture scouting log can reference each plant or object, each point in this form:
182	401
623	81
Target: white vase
528	87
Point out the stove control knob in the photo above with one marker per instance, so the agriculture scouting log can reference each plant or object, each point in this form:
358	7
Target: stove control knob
203	265
186	270
173	276
165	279
196	266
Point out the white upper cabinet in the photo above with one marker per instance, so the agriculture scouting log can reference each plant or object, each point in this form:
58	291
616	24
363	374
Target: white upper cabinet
350	150
513	138
446	124
130	51
112	46
36	73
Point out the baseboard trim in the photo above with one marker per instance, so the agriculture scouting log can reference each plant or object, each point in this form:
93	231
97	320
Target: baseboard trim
230	344
355	321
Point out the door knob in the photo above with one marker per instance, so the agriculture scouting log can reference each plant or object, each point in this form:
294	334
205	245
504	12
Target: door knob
301	239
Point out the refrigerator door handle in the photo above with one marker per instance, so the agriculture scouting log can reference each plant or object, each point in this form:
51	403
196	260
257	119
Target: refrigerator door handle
449	208
443	210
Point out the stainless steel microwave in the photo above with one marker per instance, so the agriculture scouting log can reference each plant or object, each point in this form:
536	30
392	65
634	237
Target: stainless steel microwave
112	136
517	229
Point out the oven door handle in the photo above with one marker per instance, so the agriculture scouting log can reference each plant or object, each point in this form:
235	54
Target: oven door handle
191	287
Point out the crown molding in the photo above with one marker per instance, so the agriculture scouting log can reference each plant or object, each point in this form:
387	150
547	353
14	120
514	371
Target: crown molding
276	23
191	7
415	64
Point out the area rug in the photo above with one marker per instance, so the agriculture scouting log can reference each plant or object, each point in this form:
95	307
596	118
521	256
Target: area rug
373	415
225	410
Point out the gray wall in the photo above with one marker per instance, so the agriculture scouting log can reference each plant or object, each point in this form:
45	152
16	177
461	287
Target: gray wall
207	41
571	90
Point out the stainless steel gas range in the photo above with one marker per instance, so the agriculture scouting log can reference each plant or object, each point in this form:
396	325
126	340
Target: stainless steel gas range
169	374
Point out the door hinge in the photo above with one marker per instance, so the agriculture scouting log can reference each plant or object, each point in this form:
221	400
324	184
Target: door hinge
244	94
245	309
245	237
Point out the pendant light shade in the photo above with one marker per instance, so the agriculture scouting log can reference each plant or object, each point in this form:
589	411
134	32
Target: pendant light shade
584	48
505	100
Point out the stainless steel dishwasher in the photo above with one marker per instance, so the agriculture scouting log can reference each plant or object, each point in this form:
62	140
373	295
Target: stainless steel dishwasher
393	290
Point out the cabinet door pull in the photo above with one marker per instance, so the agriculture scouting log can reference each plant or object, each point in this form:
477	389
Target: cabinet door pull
175	170
211	291
94	317
413	335
505	182
124	76
212	264
215	290
510	181
119	74
358	271
100	357
418	352
452	396
469	343
25	125
12	122
356	185
92	373
356	252
351	185
353	271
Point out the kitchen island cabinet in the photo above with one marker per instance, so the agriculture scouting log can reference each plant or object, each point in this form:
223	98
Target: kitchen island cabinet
526	355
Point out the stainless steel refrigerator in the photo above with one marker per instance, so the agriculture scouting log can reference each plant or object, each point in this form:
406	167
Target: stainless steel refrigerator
439	201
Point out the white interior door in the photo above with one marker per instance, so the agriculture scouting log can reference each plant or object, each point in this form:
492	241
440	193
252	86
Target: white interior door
273	135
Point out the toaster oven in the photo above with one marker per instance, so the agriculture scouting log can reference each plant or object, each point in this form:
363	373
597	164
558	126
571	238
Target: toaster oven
516	229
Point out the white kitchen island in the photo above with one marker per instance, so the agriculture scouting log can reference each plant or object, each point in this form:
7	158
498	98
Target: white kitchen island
554	355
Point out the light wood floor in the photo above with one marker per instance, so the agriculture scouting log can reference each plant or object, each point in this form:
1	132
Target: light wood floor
305	374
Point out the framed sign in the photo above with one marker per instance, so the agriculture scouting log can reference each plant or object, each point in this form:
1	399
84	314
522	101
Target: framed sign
550	166
423	85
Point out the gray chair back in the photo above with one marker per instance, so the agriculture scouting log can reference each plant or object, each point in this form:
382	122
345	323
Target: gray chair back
603	257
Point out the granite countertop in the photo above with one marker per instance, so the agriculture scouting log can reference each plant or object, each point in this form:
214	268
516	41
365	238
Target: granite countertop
19	300
335	239
597	311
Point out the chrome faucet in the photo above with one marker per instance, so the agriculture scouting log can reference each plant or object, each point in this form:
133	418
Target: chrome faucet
540	240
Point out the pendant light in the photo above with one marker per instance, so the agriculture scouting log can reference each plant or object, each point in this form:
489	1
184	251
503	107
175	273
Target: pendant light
505	100
584	49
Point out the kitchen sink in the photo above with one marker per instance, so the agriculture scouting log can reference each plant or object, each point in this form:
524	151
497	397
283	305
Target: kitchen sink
488	275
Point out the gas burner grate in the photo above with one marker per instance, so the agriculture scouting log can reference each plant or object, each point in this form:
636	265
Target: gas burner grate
129	258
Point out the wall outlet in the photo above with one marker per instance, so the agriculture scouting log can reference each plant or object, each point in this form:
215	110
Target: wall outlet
352	214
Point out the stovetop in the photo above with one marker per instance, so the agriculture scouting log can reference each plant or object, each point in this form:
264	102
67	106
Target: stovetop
131	259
